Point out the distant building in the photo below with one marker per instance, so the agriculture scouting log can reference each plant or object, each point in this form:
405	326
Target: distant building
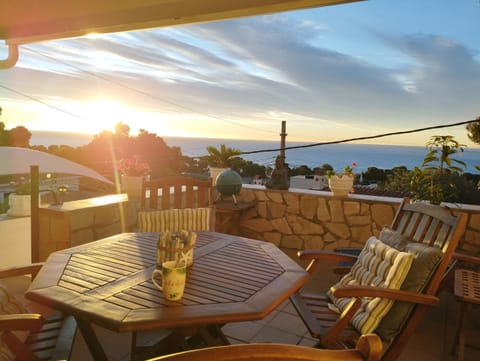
315	181
257	180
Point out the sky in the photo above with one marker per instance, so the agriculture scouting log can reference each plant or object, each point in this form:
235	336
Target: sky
332	73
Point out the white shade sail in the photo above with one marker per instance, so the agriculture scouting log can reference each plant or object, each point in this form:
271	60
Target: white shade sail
14	160
27	21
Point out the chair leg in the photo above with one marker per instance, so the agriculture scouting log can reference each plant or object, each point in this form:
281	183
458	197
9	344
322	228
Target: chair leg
459	338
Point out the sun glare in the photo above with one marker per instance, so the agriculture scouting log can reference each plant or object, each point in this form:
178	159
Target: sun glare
103	114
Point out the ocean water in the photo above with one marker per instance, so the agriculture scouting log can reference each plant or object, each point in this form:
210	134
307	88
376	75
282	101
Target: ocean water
337	155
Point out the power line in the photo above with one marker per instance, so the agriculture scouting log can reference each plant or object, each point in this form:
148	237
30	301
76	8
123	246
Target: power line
363	138
214	117
42	102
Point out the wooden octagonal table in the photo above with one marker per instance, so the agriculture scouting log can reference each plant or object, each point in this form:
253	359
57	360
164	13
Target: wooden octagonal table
108	283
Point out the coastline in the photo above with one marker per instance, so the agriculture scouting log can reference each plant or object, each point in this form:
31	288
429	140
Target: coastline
338	155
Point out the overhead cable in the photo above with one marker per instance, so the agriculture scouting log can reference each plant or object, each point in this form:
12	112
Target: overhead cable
362	138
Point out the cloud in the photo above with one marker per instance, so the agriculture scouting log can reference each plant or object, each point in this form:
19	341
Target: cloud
445	74
256	70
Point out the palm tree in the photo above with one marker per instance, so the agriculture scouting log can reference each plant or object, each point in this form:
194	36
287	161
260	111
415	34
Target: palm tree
440	169
441	148
221	157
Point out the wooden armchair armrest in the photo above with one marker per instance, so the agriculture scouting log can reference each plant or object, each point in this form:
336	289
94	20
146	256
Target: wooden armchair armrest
349	250
31	269
459	256
309	254
21	322
398	295
315	255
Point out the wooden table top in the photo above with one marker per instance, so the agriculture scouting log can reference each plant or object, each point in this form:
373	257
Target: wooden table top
107	282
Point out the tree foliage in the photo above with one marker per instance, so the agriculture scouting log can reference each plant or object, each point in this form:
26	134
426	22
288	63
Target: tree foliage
16	137
441	148
374	175
473	134
440	179
473	130
222	156
107	148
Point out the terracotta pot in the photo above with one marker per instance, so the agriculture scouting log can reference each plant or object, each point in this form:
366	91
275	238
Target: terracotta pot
132	185
215	171
340	186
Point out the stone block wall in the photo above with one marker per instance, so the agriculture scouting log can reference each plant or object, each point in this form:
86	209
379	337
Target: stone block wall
293	220
78	222
306	219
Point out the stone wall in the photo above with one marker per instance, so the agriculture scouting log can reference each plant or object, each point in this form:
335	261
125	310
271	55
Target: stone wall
305	219
78	222
293	220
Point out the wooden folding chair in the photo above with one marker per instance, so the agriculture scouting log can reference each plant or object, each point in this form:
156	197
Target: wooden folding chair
176	203
176	192
431	233
40	334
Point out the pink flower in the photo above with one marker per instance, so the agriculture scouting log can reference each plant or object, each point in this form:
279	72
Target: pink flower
133	166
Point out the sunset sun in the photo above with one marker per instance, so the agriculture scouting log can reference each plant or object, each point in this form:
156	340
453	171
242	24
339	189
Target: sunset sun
103	114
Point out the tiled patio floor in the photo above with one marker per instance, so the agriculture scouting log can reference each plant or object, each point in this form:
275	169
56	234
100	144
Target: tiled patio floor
431	342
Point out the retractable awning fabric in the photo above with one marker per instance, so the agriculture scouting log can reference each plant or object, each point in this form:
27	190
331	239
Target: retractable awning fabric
15	160
27	21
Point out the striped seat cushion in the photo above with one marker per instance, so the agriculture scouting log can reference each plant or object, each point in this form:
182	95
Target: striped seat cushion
377	265
174	220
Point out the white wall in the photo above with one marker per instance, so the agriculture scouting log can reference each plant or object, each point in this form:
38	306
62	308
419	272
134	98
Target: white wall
15	241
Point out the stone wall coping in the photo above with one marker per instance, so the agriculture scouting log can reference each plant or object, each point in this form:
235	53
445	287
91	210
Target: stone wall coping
461	206
88	203
327	194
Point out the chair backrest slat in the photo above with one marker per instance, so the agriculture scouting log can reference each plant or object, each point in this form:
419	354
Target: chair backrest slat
422	225
425	223
430	235
434	226
177	192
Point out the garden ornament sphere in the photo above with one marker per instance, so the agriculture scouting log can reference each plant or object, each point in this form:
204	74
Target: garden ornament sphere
228	183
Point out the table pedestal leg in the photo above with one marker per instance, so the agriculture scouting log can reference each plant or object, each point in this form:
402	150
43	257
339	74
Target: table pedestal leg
96	350
213	335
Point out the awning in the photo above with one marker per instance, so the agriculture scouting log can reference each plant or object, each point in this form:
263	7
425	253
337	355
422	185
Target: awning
27	21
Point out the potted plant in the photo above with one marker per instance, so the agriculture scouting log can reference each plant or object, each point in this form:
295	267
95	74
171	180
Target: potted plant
341	183
133	171
19	202
219	159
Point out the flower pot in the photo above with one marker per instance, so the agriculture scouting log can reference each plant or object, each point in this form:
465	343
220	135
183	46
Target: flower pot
132	185
340	186
19	205
215	171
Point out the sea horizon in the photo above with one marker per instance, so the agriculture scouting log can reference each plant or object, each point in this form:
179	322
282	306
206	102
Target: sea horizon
337	155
